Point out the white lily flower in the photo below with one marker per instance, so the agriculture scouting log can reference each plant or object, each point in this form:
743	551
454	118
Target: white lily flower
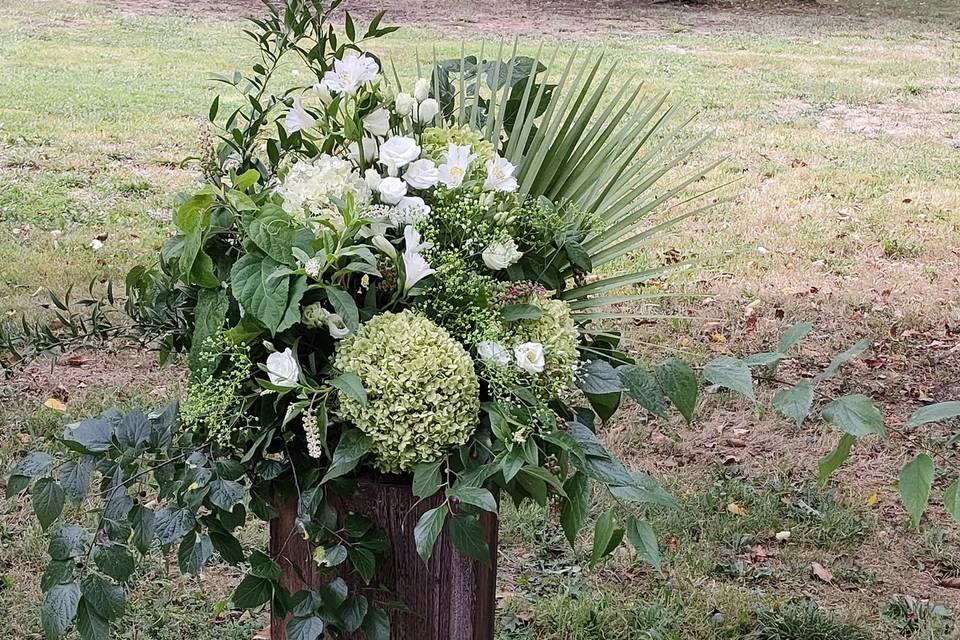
422	174
421	90
500	175
492	351
391	190
349	74
283	369
426	110
397	152
530	357
384	245
415	269
500	255
377	123
411	238
456	164
404	103
336	326
298	119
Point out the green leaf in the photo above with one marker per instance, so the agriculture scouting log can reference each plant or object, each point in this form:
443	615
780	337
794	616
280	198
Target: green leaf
143	523
376	625
855	414
227	546
351	449
68	541
363	561
605	404
598	377
642	386
935	413
133	432
644	540
57	572
107	599
951	500
114	560
173	523
795	402
515	312
793	335
916	482
575	508
352	612
468	538
226	494
209	316
59	609
309	628
48	499
606	536
246	179
75	479
260	293
344	305
90	624
475	496
252	592
428	529
842	358
15	485
730	373
351	384
832	461
194	552
679	383
426	479
262	566
35	465
89	436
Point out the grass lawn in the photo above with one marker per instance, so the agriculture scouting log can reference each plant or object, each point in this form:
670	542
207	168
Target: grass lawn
841	128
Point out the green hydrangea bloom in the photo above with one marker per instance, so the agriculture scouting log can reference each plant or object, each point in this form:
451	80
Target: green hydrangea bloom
423	392
436	139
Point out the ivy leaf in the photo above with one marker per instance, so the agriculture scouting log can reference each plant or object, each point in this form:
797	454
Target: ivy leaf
106	598
832	461
352	447
644	541
426	479
730	373
916	481
344	305
48	499
598	377
935	413
474	496
115	561
795	402
606	536
428	529
515	312
468	538
310	628
257	290
351	384
59	609
855	414
252	592
226	494
642	386
679	383
575	508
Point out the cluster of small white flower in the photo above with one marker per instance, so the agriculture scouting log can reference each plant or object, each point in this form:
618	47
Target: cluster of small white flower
309	185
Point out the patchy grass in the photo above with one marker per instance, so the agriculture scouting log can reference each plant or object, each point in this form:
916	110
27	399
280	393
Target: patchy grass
841	129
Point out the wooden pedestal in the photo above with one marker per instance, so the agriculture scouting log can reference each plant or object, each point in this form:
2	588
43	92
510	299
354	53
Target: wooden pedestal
451	598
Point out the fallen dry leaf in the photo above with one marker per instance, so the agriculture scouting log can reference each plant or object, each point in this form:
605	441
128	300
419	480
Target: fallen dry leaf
736	509
56	405
821	572
872	499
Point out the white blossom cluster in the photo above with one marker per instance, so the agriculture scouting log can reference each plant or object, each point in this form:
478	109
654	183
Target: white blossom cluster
308	187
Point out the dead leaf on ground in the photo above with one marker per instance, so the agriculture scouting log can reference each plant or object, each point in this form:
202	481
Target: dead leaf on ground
821	572
56	405
736	509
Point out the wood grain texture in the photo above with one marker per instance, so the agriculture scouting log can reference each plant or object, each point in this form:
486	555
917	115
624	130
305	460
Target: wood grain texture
451	598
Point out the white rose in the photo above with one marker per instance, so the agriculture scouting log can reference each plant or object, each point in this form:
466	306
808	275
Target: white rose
372	178
377	123
336	326
427	110
493	352
391	190
397	152
421	89
500	255
404	103
283	369
422	174
530	357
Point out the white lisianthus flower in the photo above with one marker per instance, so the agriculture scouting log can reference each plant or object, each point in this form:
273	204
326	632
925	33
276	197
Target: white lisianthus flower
384	245
283	369
404	103
372	178
377	123
493	352
370	150
349	74
530	357
500	255
426	111
397	152
456	164
336	327
421	89
391	190
500	175
323	92
298	119
421	174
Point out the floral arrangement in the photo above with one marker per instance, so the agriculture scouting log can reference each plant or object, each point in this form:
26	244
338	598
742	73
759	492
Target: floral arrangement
376	275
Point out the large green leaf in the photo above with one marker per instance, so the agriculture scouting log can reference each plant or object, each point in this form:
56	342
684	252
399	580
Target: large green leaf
855	414
832	461
795	402
679	383
261	293
644	541
574	509
59	609
916	482
48	500
428	529
730	373
935	413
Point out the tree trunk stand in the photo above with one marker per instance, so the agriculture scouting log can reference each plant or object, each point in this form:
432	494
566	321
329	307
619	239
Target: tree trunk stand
451	598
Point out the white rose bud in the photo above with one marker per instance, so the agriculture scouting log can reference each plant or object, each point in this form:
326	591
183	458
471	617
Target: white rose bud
427	110
391	190
377	123
321	90
501	255
398	152
404	103
530	357
283	369
421	90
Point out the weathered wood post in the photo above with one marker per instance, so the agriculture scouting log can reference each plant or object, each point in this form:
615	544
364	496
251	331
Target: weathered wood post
451	598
